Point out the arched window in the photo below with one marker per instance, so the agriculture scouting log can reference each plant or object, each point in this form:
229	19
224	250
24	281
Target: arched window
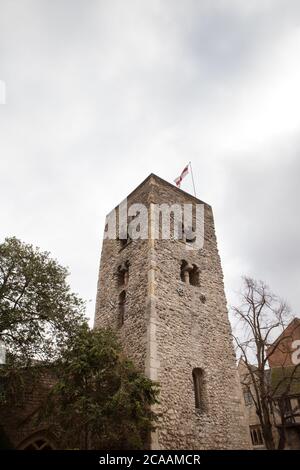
123	242
190	236
184	272
248	397
38	441
122	303
124	239
123	274
186	234
194	276
190	273
198	379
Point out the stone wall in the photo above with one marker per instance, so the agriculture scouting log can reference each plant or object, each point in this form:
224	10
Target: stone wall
171	327
18	418
134	330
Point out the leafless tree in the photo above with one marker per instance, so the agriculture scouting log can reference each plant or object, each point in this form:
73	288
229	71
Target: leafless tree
260	317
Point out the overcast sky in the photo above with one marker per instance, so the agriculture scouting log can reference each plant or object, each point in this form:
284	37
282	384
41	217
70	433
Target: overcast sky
100	93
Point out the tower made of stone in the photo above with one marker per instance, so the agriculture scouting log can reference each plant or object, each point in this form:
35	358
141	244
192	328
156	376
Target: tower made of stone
166	299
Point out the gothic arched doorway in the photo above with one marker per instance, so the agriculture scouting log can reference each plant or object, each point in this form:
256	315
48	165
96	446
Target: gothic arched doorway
38	441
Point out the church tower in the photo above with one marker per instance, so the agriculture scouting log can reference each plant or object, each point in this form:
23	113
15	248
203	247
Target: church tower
165	296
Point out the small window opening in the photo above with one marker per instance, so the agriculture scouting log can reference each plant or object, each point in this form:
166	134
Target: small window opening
123	242
180	230
256	435
190	236
190	273
198	379
123	274
248	398
122	303
194	276
184	272
124	237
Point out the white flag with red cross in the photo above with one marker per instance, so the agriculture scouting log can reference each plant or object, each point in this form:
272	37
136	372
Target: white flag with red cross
178	180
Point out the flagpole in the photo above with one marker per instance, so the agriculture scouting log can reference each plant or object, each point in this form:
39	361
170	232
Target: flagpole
190	163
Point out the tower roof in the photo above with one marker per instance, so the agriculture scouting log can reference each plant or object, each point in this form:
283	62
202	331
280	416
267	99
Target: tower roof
161	181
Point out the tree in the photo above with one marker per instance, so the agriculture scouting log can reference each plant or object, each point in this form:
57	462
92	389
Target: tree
261	315
100	401
38	312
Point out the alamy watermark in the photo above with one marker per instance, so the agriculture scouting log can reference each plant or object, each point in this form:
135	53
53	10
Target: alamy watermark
158	221
2	92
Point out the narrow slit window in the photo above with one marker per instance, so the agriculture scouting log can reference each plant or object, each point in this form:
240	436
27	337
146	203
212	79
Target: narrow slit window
124	238
123	274
181	234
122	305
198	388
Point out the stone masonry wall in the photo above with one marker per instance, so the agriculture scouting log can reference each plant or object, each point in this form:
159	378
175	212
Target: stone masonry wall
194	331
19	419
172	327
134	330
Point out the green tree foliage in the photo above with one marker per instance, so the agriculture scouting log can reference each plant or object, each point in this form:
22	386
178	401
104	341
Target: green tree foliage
38	312
101	401
98	399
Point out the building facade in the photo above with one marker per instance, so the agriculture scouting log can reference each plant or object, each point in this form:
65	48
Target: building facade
283	386
166	299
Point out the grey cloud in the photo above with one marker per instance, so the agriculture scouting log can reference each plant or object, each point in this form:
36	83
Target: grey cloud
101	93
261	227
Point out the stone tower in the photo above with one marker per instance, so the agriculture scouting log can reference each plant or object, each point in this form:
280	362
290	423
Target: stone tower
167	301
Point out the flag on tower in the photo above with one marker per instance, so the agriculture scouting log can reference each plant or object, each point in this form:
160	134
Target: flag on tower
178	180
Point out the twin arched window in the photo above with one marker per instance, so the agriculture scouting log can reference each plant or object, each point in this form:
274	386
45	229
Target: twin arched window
190	273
